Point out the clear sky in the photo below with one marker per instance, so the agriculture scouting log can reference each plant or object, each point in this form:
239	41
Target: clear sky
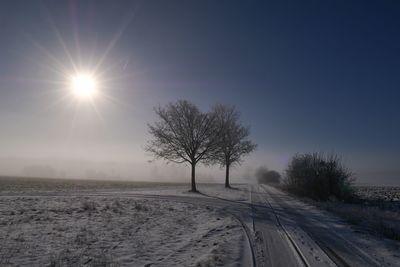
306	75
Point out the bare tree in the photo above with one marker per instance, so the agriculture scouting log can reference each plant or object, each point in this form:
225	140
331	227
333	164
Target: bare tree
183	134
233	141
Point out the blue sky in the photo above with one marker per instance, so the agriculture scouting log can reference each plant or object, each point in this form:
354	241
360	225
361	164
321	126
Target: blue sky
307	76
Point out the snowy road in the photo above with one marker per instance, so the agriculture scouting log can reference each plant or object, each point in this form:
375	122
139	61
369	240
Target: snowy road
316	238
281	230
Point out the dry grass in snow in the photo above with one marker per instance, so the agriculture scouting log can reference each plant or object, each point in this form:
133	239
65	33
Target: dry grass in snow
114	231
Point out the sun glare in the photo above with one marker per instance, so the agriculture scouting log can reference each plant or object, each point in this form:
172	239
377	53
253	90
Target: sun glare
84	86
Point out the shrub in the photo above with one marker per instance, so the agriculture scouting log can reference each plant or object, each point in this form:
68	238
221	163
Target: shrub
265	176
319	176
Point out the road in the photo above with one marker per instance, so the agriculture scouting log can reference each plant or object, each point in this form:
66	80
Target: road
314	239
281	231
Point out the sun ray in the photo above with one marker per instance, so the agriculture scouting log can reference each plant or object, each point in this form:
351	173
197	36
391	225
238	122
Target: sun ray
116	37
60	39
56	67
97	111
63	98
71	128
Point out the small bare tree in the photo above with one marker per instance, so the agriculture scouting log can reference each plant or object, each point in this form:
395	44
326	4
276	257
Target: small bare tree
233	141
183	134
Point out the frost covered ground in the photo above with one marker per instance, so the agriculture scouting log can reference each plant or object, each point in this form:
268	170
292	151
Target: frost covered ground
239	192
382	193
102	223
347	240
28	185
115	231
21	185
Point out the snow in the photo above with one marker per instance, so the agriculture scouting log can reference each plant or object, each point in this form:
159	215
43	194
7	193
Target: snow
116	226
383	252
238	192
113	230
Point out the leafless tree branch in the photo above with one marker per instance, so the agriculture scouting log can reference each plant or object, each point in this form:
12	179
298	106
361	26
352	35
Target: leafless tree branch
183	134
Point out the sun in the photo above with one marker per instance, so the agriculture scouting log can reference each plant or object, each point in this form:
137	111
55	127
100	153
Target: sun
84	86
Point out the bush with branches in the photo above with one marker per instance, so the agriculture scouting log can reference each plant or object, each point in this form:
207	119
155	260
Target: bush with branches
319	177
266	176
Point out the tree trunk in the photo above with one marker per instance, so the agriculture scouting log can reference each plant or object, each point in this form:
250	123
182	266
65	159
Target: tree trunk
227	176
194	177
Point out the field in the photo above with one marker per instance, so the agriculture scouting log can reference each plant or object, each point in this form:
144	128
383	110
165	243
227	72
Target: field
377	209
22	184
384	198
88	229
379	193
46	222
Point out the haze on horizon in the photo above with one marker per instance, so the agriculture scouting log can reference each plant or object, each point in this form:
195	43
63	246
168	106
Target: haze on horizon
309	76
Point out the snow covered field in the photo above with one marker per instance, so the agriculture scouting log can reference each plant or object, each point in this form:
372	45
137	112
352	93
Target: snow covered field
28	185
100	223
239	192
380	193
115	231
